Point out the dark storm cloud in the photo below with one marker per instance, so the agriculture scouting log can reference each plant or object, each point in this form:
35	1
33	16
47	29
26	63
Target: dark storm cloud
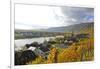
77	14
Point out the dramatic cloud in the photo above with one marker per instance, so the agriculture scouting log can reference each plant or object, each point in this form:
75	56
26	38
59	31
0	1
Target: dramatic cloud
37	17
78	14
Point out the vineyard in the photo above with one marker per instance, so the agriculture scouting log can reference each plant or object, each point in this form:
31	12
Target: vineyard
82	50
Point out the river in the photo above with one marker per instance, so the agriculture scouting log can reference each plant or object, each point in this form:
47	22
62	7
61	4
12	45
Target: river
22	42
19	43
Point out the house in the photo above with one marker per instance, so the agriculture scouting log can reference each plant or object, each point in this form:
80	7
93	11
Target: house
40	51
82	36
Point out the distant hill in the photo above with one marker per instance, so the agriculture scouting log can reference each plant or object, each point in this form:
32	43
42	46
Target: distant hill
54	31
75	28
24	30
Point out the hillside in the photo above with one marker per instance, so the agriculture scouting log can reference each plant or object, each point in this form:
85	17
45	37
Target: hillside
75	28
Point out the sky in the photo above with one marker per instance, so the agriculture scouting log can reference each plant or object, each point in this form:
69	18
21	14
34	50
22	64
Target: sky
43	17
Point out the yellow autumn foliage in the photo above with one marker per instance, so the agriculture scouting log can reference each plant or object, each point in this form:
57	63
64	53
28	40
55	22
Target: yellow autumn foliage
82	51
52	55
